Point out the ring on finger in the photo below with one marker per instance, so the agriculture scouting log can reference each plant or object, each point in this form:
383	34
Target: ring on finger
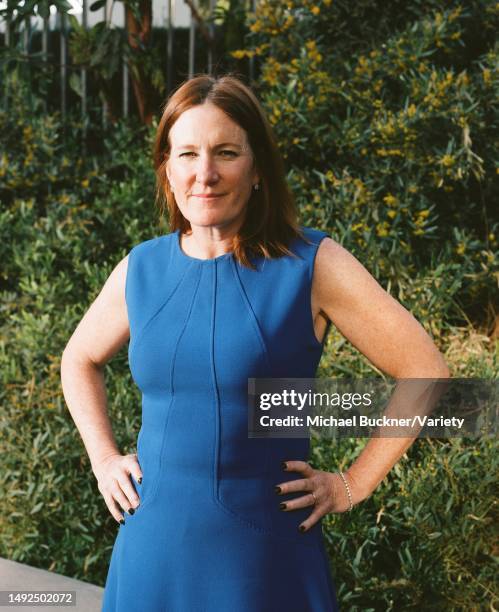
315	498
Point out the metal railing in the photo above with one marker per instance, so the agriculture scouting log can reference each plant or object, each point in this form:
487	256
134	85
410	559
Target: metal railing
47	52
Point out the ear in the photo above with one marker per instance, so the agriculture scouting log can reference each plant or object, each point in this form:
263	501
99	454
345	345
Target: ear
256	176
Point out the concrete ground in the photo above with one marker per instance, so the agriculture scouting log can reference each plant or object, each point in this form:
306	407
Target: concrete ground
19	577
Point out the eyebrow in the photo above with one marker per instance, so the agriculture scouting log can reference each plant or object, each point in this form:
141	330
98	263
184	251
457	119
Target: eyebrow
222	144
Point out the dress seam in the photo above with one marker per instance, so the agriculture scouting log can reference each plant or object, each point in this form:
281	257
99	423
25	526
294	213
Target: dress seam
154	490
134	342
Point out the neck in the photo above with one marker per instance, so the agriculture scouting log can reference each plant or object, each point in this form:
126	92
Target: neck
208	242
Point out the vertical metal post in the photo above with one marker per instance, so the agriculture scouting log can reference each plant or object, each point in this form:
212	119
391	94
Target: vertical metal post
8	40
45	51
84	23
169	50
7	32
192	46
126	76
212	36
84	109
26	50
104	104
45	39
252	58
26	35
63	65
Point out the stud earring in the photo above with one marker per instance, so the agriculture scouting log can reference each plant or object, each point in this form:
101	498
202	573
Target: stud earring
256	186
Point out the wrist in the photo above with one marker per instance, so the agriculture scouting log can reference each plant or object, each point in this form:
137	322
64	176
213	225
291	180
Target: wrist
97	462
358	490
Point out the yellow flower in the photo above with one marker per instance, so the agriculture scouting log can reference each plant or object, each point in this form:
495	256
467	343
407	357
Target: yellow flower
390	199
240	53
382	229
460	249
411	110
315	10
85	183
256	26
392	213
424	213
447	160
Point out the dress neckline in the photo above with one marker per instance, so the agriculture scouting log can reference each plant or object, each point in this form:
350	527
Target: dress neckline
209	260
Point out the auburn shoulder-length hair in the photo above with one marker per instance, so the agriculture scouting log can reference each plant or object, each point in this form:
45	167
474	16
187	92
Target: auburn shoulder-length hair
271	218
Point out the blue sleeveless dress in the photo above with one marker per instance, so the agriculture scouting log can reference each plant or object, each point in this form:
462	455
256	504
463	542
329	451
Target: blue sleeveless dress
208	535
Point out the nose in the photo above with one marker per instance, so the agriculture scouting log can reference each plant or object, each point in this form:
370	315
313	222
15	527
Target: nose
206	170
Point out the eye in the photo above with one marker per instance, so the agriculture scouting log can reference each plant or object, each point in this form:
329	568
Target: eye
231	153
187	153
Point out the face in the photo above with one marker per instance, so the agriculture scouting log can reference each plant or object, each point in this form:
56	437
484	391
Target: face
211	167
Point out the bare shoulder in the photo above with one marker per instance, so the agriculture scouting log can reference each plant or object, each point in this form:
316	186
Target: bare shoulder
337	269
112	293
117	278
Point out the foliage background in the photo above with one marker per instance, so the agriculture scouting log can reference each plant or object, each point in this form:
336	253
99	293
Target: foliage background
386	114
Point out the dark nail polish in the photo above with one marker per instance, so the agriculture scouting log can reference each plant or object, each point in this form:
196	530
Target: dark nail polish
278	490
282	505
131	511
284	465
140	480
122	521
302	528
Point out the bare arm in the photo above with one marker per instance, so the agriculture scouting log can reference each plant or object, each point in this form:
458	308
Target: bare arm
386	333
102	331
392	339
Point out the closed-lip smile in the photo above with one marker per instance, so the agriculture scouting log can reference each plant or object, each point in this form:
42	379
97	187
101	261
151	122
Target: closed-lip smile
207	195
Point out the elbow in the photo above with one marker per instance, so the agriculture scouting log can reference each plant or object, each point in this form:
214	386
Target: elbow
68	358
64	362
441	368
436	367
65	355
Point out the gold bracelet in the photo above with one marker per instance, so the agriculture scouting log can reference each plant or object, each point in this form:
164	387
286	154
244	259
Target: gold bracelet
348	490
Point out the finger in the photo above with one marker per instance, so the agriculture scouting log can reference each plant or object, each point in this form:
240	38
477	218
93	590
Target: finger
291	486
113	508
300	502
129	491
134	468
298	466
121	498
316	515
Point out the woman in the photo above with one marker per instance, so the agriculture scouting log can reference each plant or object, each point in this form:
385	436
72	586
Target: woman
217	521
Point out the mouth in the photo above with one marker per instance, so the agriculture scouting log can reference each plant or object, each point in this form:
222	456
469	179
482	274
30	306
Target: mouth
209	196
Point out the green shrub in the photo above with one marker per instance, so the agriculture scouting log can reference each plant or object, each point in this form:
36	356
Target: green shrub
423	539
386	114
